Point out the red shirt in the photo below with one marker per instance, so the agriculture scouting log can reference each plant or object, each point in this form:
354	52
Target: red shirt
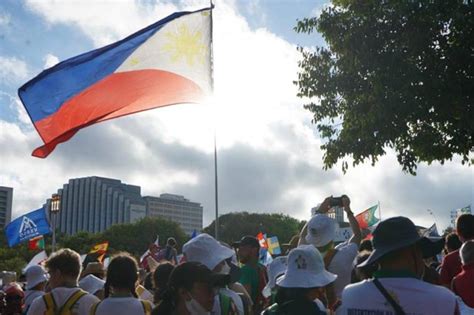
450	267
464	284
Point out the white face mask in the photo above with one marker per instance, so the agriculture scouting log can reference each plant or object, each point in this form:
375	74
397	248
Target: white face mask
195	308
225	269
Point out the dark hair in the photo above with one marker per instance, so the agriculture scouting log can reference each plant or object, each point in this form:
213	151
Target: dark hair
290	294
452	241
67	261
161	276
122	273
148	283
369	270
183	276
465	226
366	245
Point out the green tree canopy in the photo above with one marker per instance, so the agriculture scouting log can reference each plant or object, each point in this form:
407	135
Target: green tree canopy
233	226
394	74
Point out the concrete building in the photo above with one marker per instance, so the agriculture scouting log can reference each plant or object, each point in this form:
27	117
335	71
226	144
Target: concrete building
176	208
6	197
336	213
94	203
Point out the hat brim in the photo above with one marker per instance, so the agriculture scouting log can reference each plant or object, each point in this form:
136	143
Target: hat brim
378	253
307	280
30	285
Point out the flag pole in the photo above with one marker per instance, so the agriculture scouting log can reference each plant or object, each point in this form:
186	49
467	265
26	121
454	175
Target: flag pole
216	190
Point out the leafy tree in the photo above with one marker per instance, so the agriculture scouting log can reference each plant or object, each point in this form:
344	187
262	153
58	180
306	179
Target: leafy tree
233	226
396	74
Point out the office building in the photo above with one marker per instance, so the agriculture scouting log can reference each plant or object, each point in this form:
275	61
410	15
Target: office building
337	213
93	204
6	197
178	209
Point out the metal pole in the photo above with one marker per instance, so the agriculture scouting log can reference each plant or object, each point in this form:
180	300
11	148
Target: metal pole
53	221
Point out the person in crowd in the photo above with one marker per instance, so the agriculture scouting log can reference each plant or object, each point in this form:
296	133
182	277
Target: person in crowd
397	287
452	243
64	268
94	268
93	285
209	252
302	285
366	245
320	231
451	264
14	298
148	283
120	284
36	280
463	283
169	253
161	276
275	270
253	274
365	272
190	291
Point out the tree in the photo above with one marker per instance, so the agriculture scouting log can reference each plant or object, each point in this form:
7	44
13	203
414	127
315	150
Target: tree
232	226
394	74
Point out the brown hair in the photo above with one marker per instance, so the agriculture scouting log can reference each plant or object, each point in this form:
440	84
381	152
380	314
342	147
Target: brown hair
122	272
65	260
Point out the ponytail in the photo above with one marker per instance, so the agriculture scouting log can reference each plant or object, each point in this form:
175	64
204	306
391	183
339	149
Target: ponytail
106	288
167	302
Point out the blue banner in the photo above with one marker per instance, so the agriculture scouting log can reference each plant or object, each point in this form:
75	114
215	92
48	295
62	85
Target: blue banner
27	226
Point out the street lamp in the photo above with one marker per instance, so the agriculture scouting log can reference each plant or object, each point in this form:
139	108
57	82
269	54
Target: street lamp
54	209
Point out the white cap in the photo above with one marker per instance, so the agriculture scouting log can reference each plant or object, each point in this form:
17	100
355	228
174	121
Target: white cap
91	284
321	230
34	276
305	269
206	250
275	269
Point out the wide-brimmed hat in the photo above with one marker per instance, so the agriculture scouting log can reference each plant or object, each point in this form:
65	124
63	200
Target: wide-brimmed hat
321	230
34	276
275	269
95	268
305	269
206	250
393	234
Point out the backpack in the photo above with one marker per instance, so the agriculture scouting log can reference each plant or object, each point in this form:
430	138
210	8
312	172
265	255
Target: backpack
145	304
66	308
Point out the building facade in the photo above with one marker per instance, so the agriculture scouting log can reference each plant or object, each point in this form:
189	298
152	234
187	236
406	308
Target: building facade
93	204
6	197
178	209
337	213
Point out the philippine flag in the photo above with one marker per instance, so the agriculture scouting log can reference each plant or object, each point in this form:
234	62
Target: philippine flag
167	63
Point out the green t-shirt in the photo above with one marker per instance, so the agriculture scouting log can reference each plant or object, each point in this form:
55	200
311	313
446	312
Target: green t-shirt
249	276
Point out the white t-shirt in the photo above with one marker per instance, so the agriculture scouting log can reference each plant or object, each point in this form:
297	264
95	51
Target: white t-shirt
235	298
60	295
30	295
121	305
342	264
416	297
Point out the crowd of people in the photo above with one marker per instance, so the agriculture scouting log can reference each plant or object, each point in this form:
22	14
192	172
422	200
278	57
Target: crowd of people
396	272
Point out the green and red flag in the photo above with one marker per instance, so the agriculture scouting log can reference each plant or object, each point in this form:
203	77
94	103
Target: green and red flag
367	217
36	243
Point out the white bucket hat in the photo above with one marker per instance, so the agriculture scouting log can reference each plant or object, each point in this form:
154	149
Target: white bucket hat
91	284
275	269
206	250
321	230
34	276
305	269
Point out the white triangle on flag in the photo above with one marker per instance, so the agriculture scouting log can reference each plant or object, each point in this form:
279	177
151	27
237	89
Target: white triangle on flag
36	260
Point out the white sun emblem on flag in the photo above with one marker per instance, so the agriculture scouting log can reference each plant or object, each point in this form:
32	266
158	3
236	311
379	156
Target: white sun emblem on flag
186	44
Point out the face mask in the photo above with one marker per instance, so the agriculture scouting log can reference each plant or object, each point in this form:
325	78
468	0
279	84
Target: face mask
225	270
194	308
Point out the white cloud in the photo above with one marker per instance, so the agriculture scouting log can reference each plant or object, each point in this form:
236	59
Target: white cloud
5	18
12	70
269	156
50	60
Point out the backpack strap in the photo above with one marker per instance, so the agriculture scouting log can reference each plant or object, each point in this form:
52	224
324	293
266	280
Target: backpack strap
398	309
94	308
146	307
225	303
72	300
50	304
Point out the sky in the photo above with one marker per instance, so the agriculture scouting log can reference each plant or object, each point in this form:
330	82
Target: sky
269	158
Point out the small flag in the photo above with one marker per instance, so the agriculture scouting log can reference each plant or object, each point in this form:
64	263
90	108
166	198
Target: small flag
367	217
38	259
100	249
262	240
36	243
464	210
274	245
26	227
265	257
152	250
432	231
194	234
166	63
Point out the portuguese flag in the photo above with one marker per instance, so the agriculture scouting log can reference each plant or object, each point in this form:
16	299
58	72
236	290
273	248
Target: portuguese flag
36	243
367	217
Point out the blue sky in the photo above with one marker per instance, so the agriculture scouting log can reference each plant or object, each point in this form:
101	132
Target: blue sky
269	156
